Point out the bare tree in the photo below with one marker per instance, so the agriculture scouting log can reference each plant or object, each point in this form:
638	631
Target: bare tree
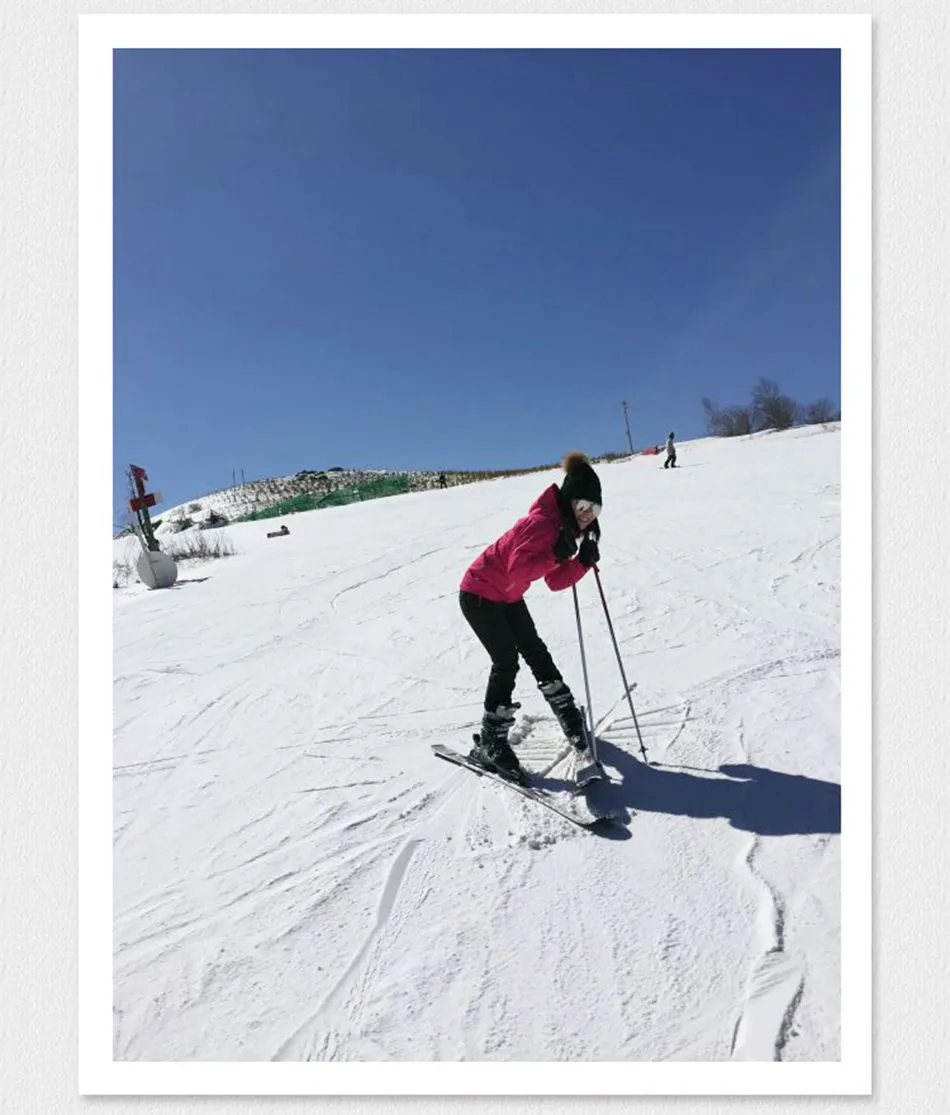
773	410
821	410
733	421
740	420
716	419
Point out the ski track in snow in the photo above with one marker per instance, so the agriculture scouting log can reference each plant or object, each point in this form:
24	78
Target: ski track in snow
297	878
776	980
299	1045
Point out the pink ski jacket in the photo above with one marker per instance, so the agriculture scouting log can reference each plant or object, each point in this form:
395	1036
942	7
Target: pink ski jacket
504	571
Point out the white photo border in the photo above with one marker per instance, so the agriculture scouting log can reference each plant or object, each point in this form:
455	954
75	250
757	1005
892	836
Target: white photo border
99	35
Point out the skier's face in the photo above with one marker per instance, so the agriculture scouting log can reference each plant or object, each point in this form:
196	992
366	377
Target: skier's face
585	512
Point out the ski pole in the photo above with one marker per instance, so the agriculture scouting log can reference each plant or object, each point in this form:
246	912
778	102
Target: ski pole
580	639
623	676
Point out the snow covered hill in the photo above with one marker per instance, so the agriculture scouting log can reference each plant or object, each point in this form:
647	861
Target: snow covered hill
254	495
296	877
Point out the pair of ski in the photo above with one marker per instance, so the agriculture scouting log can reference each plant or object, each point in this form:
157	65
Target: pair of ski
571	803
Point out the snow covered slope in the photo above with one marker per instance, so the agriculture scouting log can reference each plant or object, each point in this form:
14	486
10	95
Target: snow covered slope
297	877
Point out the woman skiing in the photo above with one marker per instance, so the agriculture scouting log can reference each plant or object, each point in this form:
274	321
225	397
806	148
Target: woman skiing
491	596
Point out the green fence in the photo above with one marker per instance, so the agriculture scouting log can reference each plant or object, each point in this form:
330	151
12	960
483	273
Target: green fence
313	501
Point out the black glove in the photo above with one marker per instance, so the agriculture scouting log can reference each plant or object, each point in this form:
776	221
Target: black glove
565	546
588	554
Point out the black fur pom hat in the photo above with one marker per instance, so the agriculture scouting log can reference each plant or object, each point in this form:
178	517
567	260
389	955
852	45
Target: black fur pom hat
580	481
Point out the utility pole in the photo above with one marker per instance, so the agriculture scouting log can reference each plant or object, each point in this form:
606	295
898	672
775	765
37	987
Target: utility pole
627	424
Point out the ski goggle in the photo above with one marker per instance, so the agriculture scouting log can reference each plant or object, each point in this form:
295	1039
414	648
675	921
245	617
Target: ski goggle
588	505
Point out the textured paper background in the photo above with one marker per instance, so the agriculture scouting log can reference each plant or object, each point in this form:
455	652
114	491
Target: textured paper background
38	581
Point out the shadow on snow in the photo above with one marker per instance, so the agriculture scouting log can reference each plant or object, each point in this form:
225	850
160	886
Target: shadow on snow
753	799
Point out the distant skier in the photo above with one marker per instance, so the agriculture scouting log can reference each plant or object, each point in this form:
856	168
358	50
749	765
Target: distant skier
442	480
491	596
670	461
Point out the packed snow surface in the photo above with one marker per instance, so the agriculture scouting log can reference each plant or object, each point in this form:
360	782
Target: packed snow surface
297	877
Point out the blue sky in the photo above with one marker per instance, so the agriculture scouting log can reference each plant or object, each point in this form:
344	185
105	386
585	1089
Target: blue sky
461	259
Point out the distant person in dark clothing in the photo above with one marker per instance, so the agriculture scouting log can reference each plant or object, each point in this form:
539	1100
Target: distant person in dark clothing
670	461
442	480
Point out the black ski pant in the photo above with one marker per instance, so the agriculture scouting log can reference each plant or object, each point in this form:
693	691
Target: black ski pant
670	461
505	631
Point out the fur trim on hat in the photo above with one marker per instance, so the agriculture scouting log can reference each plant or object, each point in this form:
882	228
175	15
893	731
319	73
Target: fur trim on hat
575	457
